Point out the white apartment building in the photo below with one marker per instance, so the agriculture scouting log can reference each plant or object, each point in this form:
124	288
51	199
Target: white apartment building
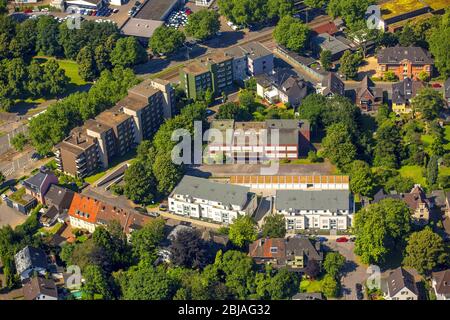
200	198
315	209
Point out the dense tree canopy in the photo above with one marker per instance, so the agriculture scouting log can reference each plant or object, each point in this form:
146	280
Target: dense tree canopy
292	33
203	24
166	40
242	231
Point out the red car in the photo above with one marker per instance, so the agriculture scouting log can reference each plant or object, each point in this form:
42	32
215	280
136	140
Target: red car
436	85
188	11
27	11
342	239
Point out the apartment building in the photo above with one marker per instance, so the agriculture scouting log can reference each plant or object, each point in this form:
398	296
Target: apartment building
315	209
78	154
404	62
271	139
250	59
116	131
204	199
213	72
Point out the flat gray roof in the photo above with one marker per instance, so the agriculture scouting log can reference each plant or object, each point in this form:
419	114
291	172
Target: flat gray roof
215	191
143	28
328	42
312	200
156	9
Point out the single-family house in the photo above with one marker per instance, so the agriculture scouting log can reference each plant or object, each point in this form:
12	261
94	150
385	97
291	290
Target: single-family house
325	41
441	284
281	87
402	94
400	285
39	288
331	85
416	200
293	253
30	260
21	201
368	96
38	185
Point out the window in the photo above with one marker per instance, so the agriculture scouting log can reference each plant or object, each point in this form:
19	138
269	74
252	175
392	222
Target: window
273	249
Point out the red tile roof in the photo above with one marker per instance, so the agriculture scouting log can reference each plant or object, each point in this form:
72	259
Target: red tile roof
328	27
84	208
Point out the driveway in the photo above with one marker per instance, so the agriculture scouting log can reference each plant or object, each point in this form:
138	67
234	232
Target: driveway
353	272
9	216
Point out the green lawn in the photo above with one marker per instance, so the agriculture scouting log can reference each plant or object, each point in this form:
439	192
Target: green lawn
310	286
447	137
70	67
413	172
95	177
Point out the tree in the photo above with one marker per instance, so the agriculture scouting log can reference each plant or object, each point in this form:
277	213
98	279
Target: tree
330	286
128	52
246	99
35	84
312	109
166	40
349	64
274	226
333	264
242	230
144	242
399	184
407	37
47	35
291	33
380	228
425	251
279	8
337	145
87	66
3	6
54	78
102	58
167	173
423	76
432	170
203	24
139	183
231	110
19	141
283	285
351	11
145	282
325	59
440	46
388	148
428	103
189	250
361	178
390	76
96	286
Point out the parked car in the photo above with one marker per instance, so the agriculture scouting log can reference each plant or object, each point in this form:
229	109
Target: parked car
352	239
321	239
140	209
163	207
342	239
436	85
115	10
359	291
209	112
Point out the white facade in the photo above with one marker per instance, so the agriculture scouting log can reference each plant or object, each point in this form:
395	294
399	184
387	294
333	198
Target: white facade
45	297
203	208
439	296
81	224
403	294
317	219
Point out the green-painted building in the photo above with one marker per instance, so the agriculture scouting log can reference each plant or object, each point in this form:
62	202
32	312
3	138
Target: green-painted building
213	72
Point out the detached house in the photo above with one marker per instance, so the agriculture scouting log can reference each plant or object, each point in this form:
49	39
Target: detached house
39	288
30	260
404	62
368	97
281	88
400	285
38	185
441	284
293	253
58	200
331	85
416	200
402	94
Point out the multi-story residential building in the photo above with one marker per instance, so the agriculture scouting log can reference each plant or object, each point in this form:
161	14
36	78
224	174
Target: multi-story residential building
402	94
404	62
258	140
116	131
318	209
204	199
122	125
250	59
78	154
293	253
441	284
400	285
213	72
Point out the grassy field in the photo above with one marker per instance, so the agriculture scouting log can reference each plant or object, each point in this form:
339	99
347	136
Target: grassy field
310	286
70	68
413	172
397	7
437	4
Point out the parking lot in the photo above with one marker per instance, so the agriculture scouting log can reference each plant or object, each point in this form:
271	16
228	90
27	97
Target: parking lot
9	216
